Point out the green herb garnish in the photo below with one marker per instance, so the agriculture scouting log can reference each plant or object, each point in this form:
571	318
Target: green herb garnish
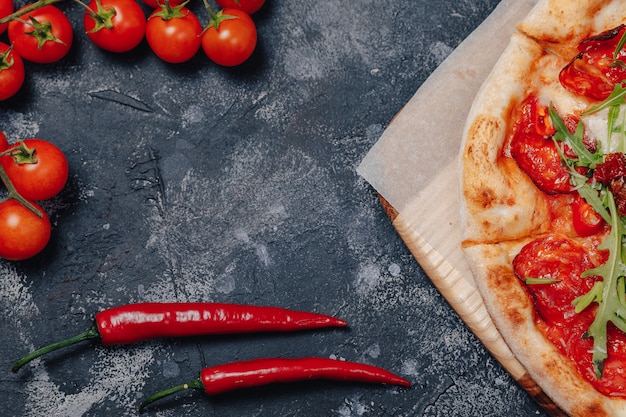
540	281
616	98
619	46
609	293
592	192
574	140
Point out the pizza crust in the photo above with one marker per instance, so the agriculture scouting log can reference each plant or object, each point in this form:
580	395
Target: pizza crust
502	209
559	25
552	371
499	201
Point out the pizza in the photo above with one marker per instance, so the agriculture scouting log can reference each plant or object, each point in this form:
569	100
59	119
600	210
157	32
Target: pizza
543	201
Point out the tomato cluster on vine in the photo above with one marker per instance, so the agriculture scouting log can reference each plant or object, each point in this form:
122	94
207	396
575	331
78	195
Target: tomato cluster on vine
42	33
32	170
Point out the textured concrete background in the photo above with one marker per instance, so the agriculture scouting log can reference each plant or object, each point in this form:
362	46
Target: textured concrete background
199	183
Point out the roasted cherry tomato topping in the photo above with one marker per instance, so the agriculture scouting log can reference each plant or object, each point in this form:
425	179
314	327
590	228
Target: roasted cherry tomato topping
613	167
562	261
43	35
115	25
586	220
535	153
39	176
593	72
543	124
24	234
12	72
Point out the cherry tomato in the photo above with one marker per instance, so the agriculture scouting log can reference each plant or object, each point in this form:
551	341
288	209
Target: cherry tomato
537	154
47	39
174	34
231	38
158	3
560	259
24	234
6	8
248	6
12	72
115	25
592	73
4	142
586	220
39	180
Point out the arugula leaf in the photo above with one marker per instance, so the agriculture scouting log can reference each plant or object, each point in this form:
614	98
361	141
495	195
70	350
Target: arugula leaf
592	192
540	281
612	126
593	296
574	140
616	98
619	46
608	294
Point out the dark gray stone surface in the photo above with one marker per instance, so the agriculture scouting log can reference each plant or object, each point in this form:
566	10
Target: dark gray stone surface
195	182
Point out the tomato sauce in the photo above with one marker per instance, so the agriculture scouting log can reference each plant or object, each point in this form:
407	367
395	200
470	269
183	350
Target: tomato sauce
564	260
535	152
593	72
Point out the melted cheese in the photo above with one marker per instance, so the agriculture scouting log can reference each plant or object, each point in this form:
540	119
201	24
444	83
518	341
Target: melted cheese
597	126
552	92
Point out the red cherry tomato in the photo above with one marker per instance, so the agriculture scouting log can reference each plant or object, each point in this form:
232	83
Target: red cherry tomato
158	3
592	73
174	34
24	234
4	142
586	220
537	154
12	72
48	40
6	8
230	39
248	6
115	25
39	180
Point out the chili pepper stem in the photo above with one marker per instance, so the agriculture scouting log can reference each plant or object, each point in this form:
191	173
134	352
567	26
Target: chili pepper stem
195	384
90	333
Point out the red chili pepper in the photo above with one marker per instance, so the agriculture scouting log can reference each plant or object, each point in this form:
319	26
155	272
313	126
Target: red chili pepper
256	372
135	322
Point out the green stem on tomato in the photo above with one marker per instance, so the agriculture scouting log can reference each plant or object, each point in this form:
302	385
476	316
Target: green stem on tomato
34	6
103	15
12	192
169	12
209	9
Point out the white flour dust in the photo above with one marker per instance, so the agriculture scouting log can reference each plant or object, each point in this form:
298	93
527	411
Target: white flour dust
114	376
20	126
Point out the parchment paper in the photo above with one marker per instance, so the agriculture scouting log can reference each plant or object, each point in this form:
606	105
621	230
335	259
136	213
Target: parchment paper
425	136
